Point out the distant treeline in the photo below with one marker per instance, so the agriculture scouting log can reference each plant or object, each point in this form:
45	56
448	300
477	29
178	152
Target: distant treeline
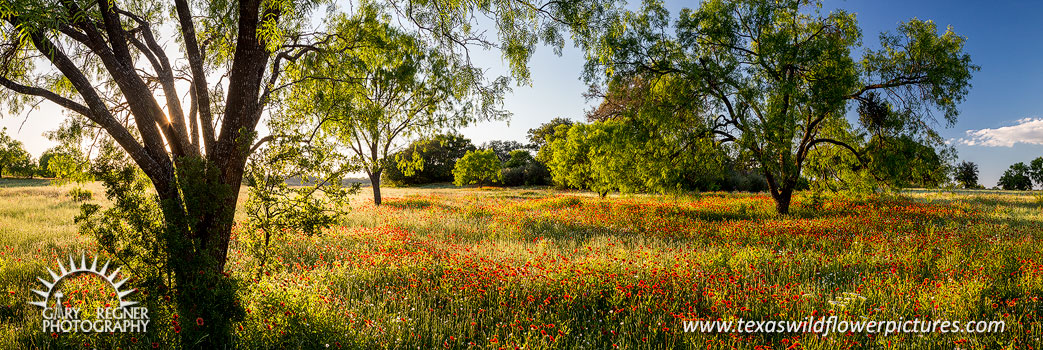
600	156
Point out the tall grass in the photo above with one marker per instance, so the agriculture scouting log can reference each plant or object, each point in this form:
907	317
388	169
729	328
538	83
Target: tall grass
443	268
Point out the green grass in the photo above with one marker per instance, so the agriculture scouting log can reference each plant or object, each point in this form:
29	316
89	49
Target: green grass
534	268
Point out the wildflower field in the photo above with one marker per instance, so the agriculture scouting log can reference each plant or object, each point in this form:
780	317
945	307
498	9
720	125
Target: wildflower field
535	268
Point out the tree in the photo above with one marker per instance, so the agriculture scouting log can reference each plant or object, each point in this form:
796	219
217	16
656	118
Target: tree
14	158
568	159
389	86
1036	170
503	149
1016	178
775	78
523	169
67	168
967	174
629	156
540	136
477	168
22	164
428	160
104	60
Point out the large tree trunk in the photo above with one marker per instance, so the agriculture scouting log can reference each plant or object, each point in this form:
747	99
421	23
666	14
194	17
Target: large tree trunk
782	200
782	193
374	180
199	214
198	206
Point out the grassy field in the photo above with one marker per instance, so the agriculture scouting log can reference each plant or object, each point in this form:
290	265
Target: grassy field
533	268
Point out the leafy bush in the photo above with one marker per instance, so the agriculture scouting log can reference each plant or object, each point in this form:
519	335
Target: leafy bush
80	194
477	168
132	232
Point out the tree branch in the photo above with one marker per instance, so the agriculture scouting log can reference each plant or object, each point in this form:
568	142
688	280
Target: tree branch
199	87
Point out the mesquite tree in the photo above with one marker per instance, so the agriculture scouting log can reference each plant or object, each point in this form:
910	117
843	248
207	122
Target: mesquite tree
181	87
382	87
776	78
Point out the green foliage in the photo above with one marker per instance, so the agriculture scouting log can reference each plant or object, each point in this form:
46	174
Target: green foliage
737	179
966	174
68	168
23	165
522	169
630	156
160	244
428	160
542	135
477	168
518	158
381	85
43	162
503	149
567	158
131	232
902	161
80	194
1016	178
14	159
775	78
274	208
1036	171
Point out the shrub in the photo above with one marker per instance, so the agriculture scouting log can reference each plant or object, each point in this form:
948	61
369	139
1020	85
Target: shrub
523	169
80	194
477	168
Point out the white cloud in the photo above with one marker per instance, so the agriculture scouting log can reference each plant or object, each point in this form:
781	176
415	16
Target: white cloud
1027	130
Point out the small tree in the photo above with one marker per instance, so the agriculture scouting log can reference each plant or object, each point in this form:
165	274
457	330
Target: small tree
567	155
1036	170
1016	178
68	168
23	164
477	168
967	174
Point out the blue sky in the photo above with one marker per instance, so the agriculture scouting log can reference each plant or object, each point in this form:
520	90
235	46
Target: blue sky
997	126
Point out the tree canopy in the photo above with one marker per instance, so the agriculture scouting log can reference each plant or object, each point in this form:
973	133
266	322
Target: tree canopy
14	159
776	79
381	86
1016	178
1036	170
477	168
966	174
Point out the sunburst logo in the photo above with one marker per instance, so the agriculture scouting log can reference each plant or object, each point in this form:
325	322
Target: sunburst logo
63	318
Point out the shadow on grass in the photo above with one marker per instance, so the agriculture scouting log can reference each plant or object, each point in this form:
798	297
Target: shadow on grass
10	182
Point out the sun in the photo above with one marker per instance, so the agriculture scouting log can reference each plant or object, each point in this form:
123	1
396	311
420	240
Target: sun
74	269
